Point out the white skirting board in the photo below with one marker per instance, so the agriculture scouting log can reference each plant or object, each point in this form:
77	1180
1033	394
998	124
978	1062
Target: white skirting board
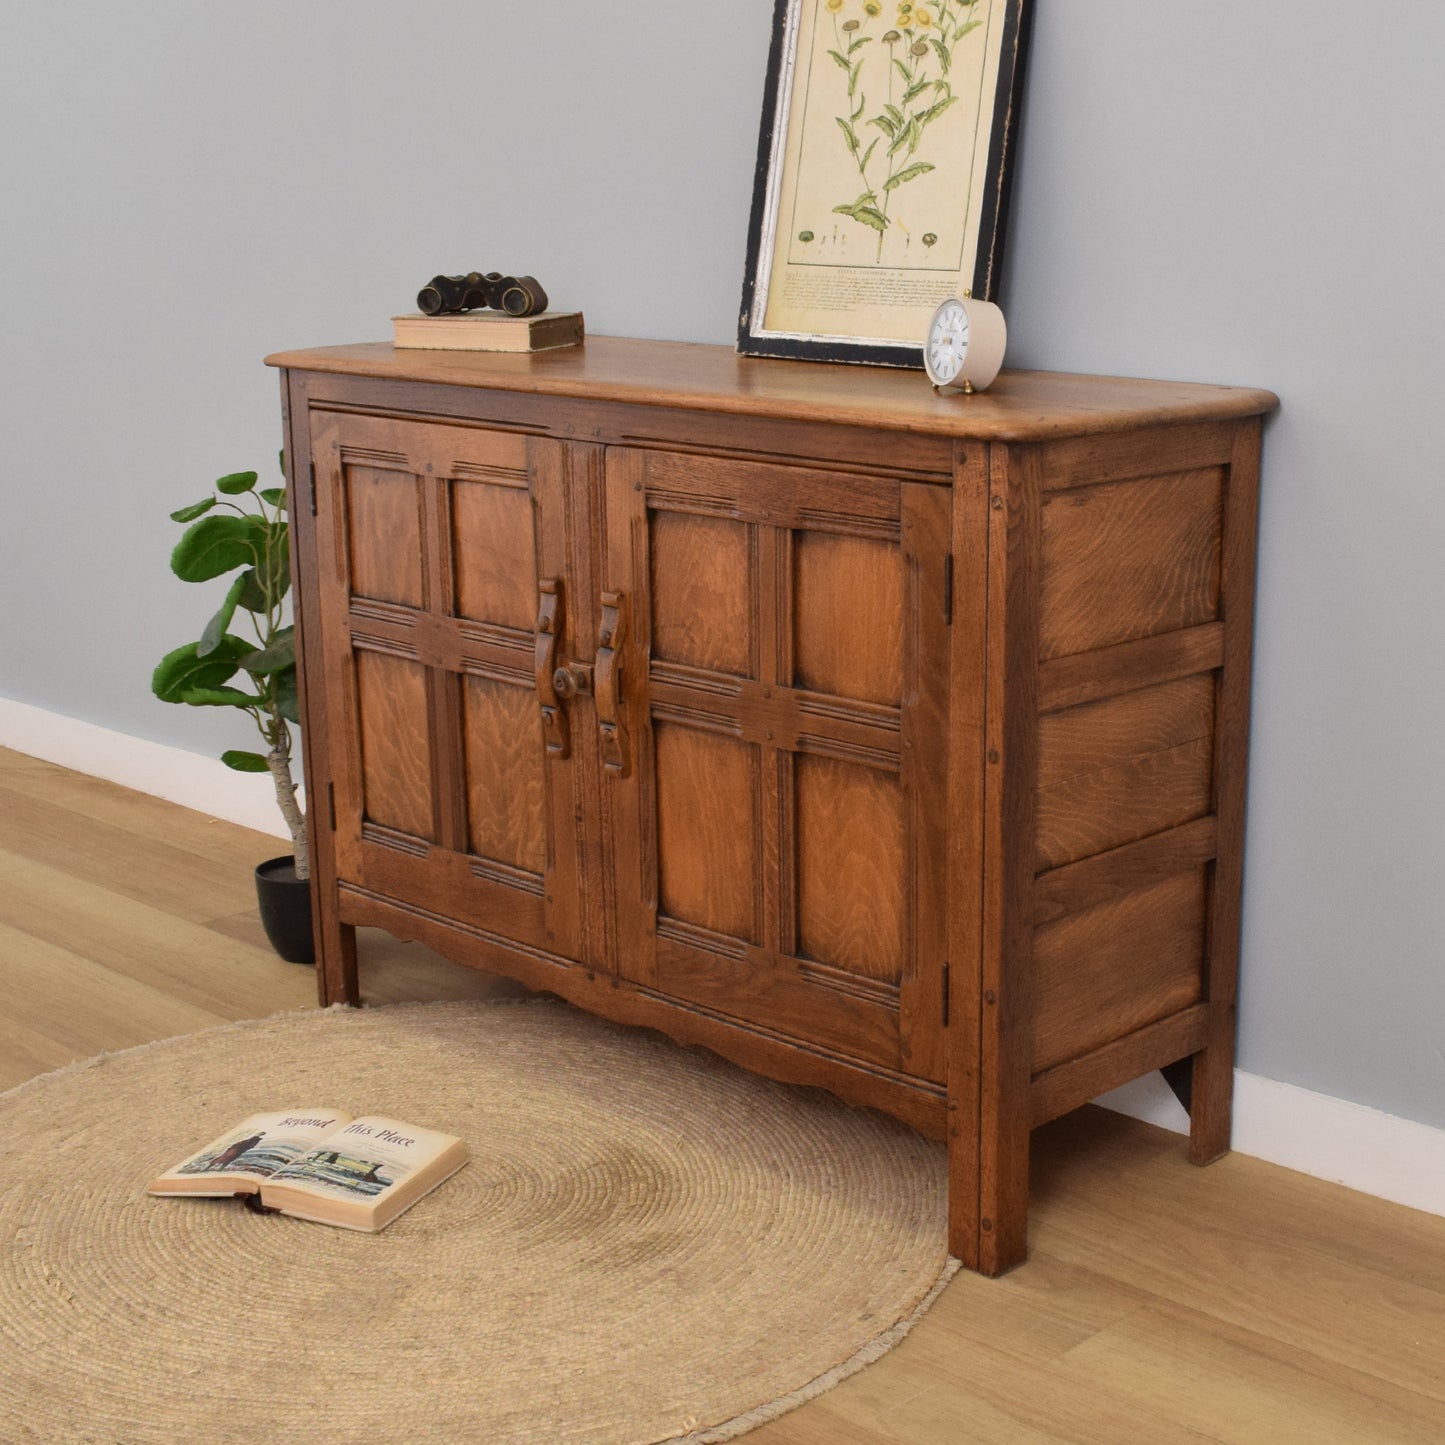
1349	1144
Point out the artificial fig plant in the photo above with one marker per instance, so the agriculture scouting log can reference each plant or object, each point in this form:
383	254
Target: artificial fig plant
242	530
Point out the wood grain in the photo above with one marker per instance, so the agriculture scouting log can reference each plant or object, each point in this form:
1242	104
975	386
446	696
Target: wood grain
702	593
492	540
1020	406
506	792
384	534
1115	771
848	617
1129	559
395	753
1104	972
851	874
707	830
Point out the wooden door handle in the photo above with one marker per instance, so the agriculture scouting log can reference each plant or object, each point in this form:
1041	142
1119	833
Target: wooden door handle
607	685
551	616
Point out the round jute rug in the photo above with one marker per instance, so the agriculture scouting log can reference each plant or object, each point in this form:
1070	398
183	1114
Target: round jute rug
649	1244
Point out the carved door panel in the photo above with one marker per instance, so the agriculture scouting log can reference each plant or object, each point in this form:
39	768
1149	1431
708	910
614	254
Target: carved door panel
778	774
444	598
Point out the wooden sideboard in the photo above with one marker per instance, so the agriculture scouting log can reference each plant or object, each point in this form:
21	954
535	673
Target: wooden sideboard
877	740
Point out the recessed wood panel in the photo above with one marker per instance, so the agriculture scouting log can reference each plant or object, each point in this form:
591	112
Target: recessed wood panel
848	630
1129	559
506	795
384	535
851	867
1107	971
395	756
701	593
493	551
707	830
1114	771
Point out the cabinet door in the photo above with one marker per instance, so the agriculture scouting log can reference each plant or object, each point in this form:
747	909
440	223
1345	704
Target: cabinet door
778	771
440	557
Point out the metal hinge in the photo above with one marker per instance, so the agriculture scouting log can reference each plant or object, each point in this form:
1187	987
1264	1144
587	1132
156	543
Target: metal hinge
945	995
331	803
948	590
313	489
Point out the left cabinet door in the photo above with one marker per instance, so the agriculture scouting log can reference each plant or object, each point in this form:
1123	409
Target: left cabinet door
444	607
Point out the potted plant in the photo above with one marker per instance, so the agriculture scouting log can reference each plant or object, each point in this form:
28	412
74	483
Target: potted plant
244	531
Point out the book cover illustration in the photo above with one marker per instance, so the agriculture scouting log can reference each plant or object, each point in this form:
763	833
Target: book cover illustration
262	1145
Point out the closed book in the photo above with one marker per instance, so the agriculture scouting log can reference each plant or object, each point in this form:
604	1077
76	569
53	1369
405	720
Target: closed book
488	331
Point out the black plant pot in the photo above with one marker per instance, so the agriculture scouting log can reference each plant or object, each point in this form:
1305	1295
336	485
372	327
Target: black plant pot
285	903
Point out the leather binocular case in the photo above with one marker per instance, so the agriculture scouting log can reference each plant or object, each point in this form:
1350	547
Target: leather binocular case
515	295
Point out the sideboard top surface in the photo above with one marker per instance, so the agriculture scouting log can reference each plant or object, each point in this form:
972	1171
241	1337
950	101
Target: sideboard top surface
1020	406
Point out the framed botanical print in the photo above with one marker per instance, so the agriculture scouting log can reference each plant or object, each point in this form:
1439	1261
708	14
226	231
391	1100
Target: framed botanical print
883	167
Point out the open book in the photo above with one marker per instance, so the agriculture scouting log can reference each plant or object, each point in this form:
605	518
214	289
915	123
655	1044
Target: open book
318	1164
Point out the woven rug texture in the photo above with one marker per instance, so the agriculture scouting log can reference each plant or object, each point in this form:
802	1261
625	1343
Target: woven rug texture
648	1245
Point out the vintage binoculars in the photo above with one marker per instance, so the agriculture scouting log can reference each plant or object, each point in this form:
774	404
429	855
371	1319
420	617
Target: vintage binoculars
516	295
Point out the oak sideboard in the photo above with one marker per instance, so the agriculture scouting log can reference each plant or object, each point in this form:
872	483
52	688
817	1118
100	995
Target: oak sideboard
877	740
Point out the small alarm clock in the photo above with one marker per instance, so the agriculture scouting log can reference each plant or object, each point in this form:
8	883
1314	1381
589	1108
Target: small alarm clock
964	348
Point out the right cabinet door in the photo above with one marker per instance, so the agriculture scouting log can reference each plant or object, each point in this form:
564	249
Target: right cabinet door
775	677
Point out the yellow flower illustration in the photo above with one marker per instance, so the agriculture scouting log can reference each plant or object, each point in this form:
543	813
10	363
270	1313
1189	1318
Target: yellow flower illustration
871	7
922	18
835	5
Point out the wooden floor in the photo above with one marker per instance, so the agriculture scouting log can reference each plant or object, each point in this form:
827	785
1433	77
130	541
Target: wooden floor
1160	1302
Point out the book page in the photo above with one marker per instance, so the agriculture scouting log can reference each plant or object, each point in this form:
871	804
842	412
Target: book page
262	1144
365	1159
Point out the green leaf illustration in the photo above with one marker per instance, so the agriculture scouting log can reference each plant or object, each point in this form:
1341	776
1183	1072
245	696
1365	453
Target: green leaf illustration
885	125
907	174
849	134
945	59
934	111
962	30
841	59
870	216
904	71
859	43
916	89
863	164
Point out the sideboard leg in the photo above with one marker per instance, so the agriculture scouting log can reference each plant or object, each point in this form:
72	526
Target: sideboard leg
336	979
1211	1112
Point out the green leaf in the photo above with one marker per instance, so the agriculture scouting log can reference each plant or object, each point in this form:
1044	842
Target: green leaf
962	30
907	174
934	111
245	762
215	545
885	125
218	697
273	496
183	668
288	704
196	509
233	484
281	653
853	75
945	59
841	59
871	217
915	90
861	41
896	116
904	71
216	627
863	164
849	133
862	102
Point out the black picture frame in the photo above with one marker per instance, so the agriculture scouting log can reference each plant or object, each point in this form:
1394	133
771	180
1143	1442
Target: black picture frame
808	37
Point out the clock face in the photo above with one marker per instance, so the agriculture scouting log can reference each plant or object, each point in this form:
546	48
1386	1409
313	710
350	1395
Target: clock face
948	342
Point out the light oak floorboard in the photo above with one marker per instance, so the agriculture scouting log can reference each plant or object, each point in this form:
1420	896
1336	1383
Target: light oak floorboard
1238	1303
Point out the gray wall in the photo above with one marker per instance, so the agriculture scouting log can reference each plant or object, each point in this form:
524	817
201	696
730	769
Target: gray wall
1236	192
